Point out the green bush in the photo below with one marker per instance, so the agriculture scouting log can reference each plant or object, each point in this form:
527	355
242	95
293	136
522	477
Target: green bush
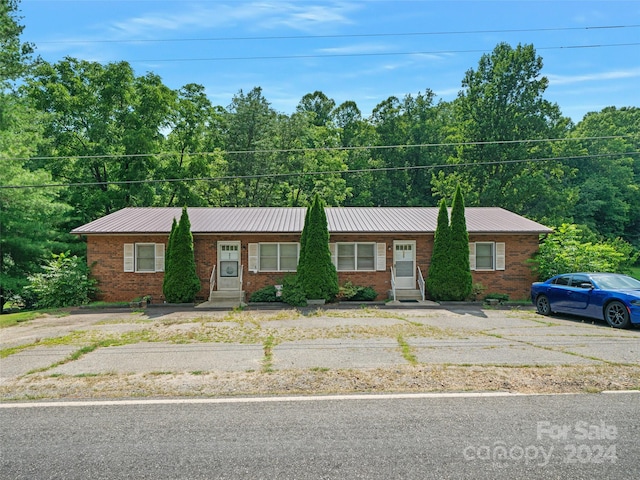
292	291
181	282
65	282
266	294
351	292
501	297
316	271
569	249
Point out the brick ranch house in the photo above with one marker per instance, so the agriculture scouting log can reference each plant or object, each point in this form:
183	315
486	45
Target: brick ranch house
241	250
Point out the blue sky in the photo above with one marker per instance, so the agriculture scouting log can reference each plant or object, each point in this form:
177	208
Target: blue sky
365	51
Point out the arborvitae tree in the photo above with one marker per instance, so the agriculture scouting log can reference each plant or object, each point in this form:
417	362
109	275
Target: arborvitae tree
437	278
303	245
168	257
459	271
318	275
181	283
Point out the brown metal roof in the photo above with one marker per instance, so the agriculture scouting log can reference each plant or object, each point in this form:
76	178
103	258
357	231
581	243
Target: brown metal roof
291	220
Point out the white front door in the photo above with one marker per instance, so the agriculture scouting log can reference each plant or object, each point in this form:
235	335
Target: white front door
228	266
404	263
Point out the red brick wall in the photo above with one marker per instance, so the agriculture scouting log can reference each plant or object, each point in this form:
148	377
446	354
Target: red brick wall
515	280
106	254
116	285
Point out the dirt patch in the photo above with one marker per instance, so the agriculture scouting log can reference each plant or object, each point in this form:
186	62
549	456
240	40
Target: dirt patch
565	379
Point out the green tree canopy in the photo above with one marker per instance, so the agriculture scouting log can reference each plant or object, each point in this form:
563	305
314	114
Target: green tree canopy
500	108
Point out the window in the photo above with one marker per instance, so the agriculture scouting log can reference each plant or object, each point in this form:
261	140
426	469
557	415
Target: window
487	256
144	257
564	280
484	256
580	281
356	256
278	257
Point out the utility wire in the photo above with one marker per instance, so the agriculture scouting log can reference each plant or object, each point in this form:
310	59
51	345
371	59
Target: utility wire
320	149
316	173
371	54
348	35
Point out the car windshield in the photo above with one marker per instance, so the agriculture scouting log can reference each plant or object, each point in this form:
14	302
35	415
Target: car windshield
617	282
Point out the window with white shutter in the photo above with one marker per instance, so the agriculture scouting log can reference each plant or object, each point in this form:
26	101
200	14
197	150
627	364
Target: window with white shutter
144	257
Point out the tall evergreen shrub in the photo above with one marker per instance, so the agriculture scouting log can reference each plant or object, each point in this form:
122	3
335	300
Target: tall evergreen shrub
303	245
459	271
181	282
316	272
168	258
437	277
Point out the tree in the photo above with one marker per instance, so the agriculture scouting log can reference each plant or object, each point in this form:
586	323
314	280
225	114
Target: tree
449	273
65	282
459	272
196	127
607	182
14	55
104	125
569	249
169	260
249	137
317	274
437	277
181	282
500	107
319	106
30	218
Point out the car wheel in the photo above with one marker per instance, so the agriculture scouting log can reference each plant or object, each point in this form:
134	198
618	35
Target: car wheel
542	305
616	314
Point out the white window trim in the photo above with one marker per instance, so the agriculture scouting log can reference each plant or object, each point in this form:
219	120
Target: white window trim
375	256
497	256
131	260
278	256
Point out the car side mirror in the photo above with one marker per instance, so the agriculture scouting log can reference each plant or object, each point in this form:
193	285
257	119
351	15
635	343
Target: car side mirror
586	285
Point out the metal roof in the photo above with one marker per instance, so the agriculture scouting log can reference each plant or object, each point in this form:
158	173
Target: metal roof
137	220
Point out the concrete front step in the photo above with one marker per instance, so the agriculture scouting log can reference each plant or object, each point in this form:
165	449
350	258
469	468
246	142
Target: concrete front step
406	294
226	297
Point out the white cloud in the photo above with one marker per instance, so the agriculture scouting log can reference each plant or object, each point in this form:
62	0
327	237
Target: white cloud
556	80
252	16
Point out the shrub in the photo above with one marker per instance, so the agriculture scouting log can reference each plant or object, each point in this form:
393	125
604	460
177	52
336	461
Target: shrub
501	297
436	279
181	282
266	294
65	282
568	249
292	291
351	292
316	272
460	282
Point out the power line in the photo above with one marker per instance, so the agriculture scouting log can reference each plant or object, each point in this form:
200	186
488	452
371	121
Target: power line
320	149
370	54
349	35
315	173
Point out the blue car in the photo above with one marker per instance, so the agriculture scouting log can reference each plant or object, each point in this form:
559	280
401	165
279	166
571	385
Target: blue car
606	296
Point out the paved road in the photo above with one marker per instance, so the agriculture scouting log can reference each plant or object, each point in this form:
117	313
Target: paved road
524	437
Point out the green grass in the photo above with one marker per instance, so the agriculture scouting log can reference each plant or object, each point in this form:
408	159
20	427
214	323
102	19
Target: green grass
635	272
407	351
267	361
12	319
